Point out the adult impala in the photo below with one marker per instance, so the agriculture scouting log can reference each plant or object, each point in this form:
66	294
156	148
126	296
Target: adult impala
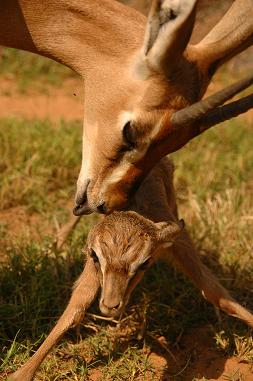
138	84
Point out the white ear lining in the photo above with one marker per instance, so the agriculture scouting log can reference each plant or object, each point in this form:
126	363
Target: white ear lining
168	30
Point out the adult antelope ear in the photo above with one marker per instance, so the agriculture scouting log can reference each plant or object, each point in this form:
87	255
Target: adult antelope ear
167	232
169	27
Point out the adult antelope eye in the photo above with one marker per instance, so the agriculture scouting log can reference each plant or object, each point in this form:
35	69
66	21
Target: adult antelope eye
94	256
129	135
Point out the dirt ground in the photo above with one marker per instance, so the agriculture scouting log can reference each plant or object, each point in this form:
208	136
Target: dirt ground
53	104
198	359
206	362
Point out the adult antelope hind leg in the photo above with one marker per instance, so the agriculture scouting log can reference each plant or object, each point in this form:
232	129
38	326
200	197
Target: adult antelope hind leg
187	259
84	293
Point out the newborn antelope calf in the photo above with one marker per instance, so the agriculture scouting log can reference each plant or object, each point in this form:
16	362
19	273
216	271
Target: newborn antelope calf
120	249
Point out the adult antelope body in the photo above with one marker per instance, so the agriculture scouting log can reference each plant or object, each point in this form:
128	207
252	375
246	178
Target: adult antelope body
139	84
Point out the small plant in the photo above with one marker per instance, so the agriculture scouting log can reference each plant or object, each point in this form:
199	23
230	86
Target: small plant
235	376
244	348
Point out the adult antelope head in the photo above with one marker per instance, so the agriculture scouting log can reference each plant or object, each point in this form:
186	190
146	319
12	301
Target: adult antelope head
132	116
141	86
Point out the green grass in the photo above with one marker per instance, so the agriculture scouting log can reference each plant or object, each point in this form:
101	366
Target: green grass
29	69
39	163
215	192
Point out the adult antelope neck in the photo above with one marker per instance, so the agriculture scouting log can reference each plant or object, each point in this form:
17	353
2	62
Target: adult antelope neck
76	33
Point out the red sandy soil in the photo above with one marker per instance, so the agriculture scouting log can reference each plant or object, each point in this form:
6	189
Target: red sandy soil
54	104
199	354
20	223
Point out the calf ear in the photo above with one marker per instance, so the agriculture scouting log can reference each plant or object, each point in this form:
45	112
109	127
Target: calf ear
169	27
167	232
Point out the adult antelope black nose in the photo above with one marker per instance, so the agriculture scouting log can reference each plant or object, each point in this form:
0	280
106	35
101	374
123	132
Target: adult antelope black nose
82	205
81	209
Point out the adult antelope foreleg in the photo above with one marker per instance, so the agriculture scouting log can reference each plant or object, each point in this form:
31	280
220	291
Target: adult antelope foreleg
83	295
187	259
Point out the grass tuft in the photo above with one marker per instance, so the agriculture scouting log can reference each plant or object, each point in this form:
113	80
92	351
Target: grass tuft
39	163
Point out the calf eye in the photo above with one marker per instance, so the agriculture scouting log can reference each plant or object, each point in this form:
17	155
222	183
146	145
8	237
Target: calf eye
145	265
94	256
129	135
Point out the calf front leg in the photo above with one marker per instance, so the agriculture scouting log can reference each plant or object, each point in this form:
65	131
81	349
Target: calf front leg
187	259
84	293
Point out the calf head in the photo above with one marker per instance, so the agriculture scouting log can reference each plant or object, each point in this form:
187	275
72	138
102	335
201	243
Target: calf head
123	246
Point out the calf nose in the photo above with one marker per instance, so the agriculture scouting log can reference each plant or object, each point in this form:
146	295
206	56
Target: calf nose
109	307
113	306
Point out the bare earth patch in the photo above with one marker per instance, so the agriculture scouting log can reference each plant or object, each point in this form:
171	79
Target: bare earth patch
54	104
205	361
197	358
20	223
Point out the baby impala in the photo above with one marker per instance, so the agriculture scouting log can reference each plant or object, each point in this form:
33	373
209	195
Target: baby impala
120	249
